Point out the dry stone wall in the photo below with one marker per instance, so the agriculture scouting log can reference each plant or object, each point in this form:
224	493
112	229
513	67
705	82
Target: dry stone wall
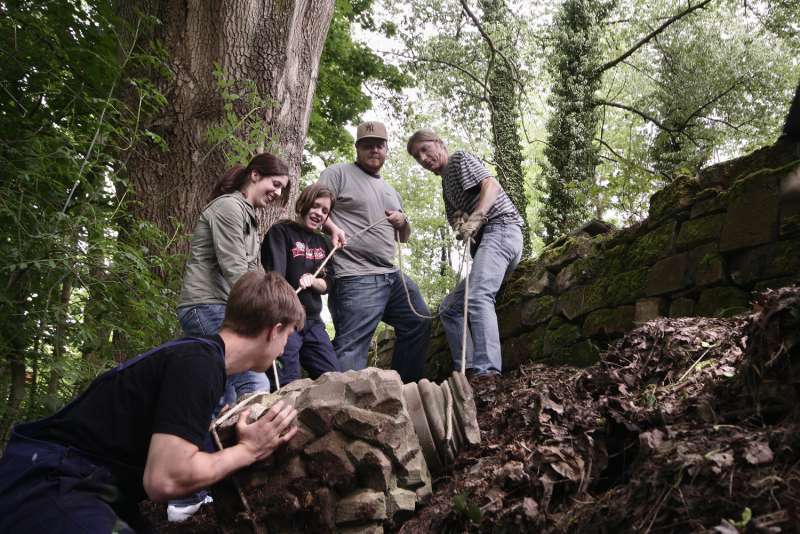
361	458
708	242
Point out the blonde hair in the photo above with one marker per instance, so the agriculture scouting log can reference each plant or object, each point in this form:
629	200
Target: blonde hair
420	136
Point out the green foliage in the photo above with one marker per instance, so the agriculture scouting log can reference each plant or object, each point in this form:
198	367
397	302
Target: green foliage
242	131
571	153
73	289
466	508
347	68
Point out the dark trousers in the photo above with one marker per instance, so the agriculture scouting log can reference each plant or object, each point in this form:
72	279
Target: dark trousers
46	487
310	348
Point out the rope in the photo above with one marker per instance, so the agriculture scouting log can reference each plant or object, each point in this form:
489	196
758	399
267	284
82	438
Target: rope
235	482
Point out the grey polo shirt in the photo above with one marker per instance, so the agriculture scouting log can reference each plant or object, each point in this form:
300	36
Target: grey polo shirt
362	199
224	247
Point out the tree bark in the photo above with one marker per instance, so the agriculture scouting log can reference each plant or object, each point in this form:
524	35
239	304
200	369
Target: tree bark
274	45
503	94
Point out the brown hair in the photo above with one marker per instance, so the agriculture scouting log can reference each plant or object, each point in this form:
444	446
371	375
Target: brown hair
260	300
311	193
265	164
420	136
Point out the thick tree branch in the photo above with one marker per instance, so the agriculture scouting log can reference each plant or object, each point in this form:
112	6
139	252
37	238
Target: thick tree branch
459	68
622	158
649	36
696	112
493	49
635	111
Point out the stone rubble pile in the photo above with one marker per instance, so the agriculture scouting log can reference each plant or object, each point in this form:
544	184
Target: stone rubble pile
361	459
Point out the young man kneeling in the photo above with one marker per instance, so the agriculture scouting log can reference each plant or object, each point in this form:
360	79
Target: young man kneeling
139	430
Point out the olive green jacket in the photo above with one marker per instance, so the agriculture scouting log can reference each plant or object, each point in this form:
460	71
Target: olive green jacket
224	247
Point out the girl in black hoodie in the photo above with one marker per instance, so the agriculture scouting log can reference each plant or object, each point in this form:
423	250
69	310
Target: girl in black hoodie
295	249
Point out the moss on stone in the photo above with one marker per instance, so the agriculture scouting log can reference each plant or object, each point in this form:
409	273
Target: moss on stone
522	349
559	334
676	196
625	288
696	231
652	246
609	321
581	354
538	310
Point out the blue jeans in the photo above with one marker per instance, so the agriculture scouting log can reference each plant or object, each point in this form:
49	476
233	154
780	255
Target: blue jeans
206	320
310	347
359	303
497	256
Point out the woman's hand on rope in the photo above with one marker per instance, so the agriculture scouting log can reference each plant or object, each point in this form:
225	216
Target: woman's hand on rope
306	281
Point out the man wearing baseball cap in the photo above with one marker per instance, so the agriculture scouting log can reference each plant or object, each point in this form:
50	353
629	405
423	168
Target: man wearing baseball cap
367	286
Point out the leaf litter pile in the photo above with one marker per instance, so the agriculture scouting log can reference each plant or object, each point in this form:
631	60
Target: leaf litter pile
686	425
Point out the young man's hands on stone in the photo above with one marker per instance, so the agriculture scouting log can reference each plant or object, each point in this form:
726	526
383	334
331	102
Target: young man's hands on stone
266	434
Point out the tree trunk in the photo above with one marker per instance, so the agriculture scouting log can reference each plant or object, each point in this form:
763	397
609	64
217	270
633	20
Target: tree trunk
59	342
274	45
504	113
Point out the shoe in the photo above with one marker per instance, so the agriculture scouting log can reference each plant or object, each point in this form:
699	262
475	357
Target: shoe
177	513
483	381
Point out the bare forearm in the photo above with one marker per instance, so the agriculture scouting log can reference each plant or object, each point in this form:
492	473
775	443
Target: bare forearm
404	233
200	470
490	190
320	286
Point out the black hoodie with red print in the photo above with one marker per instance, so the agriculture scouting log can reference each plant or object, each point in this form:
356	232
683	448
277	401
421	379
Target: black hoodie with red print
292	251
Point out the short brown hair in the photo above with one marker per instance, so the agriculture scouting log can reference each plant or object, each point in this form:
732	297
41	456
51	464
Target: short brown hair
311	193
260	300
420	136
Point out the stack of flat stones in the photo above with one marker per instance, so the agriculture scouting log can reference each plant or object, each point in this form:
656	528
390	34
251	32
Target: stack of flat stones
361	459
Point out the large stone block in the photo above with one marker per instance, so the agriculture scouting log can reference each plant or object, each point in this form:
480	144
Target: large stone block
669	274
716	203
648	309
624	288
316	406
707	266
538	310
681	307
752	216
652	246
361	506
701	230
509	318
581	300
722	302
373	468
773	260
677	196
400	504
390	433
566	250
581	354
609	321
522	349
326	459
560	334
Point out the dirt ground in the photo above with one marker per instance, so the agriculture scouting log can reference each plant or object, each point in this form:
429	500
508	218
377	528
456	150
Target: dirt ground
686	425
